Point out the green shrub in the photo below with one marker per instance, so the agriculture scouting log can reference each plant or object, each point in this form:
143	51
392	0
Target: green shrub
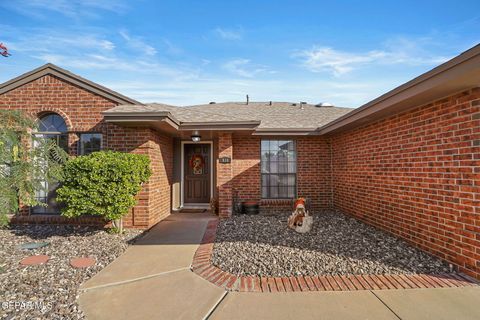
102	183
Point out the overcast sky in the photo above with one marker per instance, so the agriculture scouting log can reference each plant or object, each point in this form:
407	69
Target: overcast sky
181	53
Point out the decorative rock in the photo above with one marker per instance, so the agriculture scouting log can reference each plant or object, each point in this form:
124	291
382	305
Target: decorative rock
82	262
34	260
337	245
34	245
55	283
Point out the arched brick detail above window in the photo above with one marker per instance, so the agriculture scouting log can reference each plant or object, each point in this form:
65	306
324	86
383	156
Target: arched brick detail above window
46	110
80	108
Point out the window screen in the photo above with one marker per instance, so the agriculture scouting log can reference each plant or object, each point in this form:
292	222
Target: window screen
90	142
278	169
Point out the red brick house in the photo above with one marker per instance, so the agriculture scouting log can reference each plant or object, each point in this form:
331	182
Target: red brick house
407	162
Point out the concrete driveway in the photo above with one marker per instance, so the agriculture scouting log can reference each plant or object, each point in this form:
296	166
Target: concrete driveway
152	280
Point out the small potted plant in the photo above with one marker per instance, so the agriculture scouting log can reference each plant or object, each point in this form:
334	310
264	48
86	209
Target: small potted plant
251	207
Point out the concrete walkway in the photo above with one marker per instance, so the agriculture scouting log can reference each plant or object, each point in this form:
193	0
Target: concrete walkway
152	280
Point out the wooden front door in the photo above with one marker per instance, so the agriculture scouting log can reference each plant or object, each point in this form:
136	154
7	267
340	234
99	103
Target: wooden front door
196	168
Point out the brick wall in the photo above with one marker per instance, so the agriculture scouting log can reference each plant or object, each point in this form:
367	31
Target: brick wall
417	175
246	167
81	111
313	172
224	175
154	200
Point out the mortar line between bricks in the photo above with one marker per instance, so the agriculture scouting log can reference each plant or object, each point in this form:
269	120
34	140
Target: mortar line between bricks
132	280
388	307
214	307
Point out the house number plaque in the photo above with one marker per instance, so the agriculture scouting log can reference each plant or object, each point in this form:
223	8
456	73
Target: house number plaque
225	160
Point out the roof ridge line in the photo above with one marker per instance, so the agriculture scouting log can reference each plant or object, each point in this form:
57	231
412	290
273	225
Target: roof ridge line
68	76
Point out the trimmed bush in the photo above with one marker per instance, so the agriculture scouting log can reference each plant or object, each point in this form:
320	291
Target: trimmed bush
103	184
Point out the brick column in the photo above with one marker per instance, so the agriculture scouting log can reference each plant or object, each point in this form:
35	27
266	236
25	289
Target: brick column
224	175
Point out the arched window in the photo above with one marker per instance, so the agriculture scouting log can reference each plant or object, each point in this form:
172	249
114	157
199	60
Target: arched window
52	123
52	126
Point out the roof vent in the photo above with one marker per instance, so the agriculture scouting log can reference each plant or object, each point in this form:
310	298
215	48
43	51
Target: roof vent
324	104
212	102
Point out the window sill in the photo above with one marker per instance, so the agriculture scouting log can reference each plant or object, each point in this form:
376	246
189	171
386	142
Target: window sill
288	201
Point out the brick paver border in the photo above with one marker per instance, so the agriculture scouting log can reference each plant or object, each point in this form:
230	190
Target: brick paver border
203	267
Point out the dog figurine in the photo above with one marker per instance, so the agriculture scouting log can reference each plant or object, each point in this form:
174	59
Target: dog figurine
300	220
307	223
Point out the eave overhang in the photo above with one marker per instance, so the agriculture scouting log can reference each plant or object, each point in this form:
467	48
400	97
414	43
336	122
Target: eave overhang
161	120
153	118
456	75
285	132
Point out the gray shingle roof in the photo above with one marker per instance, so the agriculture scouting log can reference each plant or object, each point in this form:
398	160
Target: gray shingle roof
275	116
278	115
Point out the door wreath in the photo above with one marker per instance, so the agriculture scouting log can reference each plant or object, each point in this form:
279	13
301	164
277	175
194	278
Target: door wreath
196	163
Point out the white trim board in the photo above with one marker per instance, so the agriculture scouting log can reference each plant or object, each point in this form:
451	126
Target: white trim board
182	168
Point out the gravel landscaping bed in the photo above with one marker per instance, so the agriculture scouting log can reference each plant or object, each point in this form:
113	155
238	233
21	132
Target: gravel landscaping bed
52	285
337	245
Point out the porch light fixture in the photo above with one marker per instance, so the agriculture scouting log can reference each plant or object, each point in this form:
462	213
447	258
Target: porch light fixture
196	137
